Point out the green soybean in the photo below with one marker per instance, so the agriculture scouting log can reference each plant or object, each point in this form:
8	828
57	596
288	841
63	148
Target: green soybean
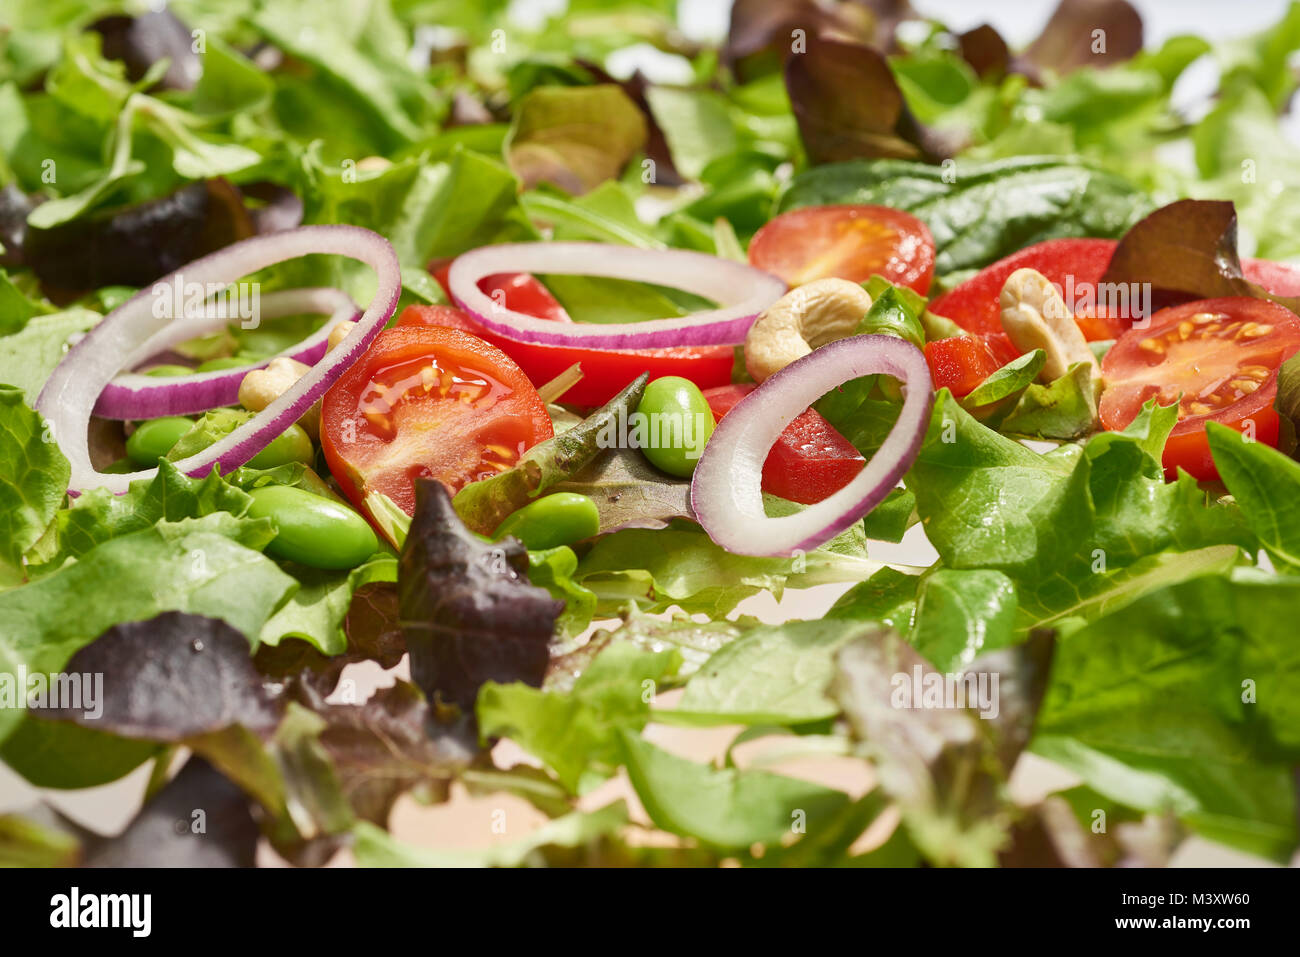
291	445
561	518
224	362
673	424
312	530
154	439
120	467
169	369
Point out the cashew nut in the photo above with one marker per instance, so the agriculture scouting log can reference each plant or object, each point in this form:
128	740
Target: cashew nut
1035	316
261	387
804	318
339	333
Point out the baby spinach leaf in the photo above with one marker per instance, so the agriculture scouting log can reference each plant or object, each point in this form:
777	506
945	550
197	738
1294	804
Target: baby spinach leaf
979	212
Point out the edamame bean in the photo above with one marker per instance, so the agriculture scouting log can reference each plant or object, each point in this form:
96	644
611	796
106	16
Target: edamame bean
169	369
291	445
314	531
561	518
224	362
154	439
674	423
120	467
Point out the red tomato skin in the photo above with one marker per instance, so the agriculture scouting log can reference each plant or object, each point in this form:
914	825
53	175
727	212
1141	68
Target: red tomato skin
974	304
403	344
1281	279
810	461
776	247
604	371
960	363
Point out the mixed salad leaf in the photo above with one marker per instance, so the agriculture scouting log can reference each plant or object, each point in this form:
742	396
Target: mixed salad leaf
1108	590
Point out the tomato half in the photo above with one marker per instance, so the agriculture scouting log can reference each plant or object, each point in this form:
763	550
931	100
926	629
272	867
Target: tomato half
848	242
960	363
1218	358
604	371
810	460
427	402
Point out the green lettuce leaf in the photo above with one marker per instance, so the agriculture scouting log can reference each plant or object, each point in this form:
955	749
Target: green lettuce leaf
33	480
1186	701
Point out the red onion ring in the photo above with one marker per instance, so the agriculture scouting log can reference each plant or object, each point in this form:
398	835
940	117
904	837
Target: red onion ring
138	396
726	490
75	385
742	291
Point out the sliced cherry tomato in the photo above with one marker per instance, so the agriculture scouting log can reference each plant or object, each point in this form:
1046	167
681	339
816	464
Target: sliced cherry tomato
809	462
517	291
428	402
848	242
1281	279
604	371
1075	264
1218	358
960	363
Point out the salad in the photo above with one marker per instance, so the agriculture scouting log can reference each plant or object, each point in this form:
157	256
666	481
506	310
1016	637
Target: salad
881	397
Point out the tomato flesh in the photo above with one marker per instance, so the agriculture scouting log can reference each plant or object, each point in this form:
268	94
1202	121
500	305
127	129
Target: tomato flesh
960	363
604	371
810	460
848	242
427	402
1217	358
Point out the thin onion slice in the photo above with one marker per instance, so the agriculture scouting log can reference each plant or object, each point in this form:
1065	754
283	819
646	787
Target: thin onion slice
75	385
137	396
726	491
741	291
